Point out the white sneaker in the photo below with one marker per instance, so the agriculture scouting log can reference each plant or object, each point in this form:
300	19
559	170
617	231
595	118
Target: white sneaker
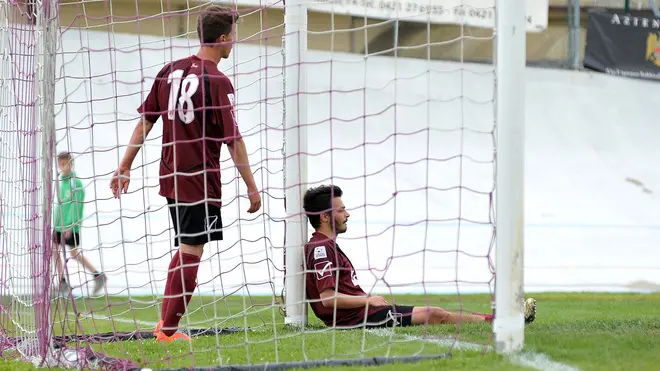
99	283
530	310
63	289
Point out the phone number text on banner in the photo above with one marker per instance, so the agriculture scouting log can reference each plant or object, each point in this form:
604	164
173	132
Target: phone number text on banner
476	13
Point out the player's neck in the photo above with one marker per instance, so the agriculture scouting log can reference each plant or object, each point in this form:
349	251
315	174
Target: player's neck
209	54
327	232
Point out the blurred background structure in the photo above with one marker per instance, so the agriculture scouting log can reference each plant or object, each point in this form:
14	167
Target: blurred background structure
560	45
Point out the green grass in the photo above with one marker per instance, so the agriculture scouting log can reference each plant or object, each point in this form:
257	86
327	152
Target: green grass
587	331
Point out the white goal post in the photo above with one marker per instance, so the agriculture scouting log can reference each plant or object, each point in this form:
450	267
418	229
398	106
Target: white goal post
295	160
510	58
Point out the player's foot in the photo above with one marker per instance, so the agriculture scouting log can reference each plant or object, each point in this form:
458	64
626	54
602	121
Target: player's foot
99	282
159	326
63	289
530	310
177	336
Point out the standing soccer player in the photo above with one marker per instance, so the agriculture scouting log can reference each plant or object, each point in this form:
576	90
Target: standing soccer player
332	284
195	101
68	219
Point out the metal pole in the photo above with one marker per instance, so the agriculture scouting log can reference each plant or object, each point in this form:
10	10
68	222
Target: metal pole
654	8
574	34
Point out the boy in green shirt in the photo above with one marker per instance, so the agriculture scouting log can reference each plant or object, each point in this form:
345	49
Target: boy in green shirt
67	221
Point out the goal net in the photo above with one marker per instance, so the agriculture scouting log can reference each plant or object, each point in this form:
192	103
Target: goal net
378	99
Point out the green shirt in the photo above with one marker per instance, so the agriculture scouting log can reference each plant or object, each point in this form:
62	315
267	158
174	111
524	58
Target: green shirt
70	204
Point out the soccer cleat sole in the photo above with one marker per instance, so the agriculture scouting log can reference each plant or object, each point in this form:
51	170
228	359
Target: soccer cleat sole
530	310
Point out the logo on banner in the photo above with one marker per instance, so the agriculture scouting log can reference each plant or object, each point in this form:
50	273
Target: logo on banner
653	48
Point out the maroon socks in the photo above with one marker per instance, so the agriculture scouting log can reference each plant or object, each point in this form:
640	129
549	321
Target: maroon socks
181	290
173	264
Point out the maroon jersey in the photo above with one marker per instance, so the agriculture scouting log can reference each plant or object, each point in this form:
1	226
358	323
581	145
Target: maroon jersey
329	268
195	101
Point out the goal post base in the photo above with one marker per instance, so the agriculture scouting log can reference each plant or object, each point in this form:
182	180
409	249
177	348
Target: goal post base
295	321
509	334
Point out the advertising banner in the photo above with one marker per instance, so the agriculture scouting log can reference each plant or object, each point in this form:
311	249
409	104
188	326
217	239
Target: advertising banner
476	13
623	44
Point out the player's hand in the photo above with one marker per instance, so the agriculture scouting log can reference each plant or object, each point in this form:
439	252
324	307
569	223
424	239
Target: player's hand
377	301
120	181
255	200
67	235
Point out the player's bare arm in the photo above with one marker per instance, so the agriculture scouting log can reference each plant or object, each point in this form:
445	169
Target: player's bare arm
122	177
239	155
332	299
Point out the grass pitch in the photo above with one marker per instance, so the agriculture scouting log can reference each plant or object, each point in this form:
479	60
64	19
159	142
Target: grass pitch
586	331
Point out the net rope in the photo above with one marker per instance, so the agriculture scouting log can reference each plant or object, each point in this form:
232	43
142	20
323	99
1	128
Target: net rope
410	140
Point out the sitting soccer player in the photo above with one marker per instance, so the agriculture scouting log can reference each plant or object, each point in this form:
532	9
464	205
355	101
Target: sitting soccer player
332	286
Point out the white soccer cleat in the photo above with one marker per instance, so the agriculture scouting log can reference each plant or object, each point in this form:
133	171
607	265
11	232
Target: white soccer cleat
63	290
99	283
530	310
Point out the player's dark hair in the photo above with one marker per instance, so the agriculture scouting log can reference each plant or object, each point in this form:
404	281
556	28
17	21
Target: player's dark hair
215	21
318	201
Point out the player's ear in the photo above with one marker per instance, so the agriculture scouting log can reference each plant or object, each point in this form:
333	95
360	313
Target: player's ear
220	40
325	218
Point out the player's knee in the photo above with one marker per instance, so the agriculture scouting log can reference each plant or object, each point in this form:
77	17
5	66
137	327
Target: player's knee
431	315
439	315
74	253
196	250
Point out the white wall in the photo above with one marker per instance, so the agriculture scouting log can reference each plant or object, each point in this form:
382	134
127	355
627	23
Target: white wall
587	228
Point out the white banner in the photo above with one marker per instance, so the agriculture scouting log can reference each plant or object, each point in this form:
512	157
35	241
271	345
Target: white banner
476	13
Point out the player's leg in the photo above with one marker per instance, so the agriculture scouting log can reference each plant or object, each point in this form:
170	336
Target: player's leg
74	243
174	262
434	315
401	315
62	285
404	315
197	225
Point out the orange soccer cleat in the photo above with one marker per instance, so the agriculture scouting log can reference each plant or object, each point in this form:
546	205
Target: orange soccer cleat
159	326
161	337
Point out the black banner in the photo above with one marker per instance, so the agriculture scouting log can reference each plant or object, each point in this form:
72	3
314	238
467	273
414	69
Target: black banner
623	44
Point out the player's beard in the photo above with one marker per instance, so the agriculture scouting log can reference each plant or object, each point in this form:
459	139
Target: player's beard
341	227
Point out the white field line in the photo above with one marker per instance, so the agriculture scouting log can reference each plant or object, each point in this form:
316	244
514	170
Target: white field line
538	361
119	319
